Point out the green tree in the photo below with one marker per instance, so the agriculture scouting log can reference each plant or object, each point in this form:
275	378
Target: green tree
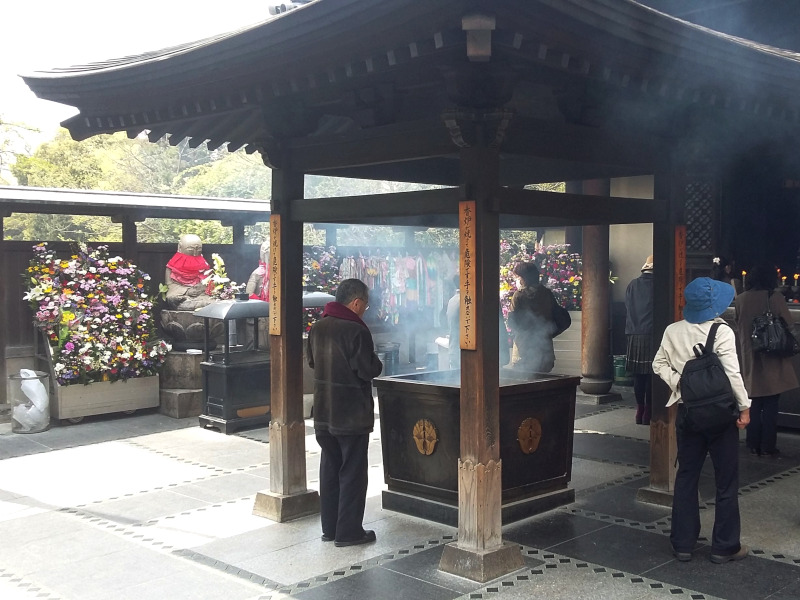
47	227
155	231
60	163
141	166
234	175
12	142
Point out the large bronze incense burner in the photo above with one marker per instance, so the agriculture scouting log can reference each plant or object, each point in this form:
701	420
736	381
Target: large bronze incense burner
420	431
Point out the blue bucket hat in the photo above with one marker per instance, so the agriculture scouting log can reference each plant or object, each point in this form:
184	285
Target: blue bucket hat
706	298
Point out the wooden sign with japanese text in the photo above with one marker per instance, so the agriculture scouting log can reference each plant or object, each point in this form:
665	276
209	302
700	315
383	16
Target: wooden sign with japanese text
680	269
276	274
468	273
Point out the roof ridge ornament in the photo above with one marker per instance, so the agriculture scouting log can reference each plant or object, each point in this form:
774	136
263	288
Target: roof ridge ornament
283	7
479	36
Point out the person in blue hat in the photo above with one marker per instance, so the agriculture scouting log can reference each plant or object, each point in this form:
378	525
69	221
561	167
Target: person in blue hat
706	299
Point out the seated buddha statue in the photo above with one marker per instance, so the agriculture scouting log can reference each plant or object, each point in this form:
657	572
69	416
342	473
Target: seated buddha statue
258	284
184	276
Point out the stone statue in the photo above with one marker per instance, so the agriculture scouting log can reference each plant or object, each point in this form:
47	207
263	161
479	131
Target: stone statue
184	276
258	288
186	292
258	284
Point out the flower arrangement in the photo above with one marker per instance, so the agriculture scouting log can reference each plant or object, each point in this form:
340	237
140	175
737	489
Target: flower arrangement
96	313
220	286
320	274
560	270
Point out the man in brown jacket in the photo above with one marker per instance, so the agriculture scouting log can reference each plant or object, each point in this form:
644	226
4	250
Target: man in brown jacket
342	354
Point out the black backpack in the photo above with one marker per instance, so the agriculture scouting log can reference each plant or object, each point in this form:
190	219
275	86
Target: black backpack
708	403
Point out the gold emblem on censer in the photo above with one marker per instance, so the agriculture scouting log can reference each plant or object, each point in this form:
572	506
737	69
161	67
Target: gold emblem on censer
529	435
425	436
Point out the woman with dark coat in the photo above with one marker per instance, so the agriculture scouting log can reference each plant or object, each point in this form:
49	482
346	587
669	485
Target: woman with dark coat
765	376
535	319
639	331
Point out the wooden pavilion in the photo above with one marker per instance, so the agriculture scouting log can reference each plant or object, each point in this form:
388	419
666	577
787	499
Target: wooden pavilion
484	96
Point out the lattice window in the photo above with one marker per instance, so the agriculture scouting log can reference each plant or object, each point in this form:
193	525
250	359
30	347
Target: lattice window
699	212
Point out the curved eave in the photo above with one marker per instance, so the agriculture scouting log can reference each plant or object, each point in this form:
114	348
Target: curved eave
290	43
217	89
325	27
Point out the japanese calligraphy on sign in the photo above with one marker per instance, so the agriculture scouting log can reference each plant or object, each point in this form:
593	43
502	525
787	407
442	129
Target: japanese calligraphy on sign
276	275
466	228
680	269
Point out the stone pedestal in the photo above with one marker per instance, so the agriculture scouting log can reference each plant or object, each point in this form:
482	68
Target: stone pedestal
181	403
184	330
182	370
181	385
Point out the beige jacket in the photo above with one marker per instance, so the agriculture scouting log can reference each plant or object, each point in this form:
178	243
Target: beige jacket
676	349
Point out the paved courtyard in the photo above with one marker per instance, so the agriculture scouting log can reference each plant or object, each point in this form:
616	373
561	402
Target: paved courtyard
144	506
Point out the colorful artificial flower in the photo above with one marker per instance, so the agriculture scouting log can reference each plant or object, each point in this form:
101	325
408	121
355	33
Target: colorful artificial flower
220	287
560	270
70	302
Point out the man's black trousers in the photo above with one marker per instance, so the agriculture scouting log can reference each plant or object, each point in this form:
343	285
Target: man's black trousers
343	484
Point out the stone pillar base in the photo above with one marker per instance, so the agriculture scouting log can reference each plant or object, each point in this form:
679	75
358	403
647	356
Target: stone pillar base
591	385
653	495
583	398
280	508
481	565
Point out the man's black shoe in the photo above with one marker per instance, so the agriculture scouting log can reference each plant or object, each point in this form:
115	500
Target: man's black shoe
326	538
369	536
723	558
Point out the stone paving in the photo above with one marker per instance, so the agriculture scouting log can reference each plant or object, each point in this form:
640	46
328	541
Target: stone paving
146	506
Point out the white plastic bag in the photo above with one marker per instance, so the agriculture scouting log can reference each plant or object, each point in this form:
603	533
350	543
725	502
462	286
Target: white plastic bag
33	415
34	389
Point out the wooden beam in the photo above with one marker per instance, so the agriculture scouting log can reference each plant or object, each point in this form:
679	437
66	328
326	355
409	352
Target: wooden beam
577	209
547	139
354	209
558	140
391	143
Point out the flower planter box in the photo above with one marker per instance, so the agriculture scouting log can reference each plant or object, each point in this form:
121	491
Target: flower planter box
102	397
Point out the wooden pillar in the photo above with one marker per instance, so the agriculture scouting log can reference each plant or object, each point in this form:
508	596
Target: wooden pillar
479	554
130	241
573	234
4	268
238	269
331	234
596	375
666	280
288	497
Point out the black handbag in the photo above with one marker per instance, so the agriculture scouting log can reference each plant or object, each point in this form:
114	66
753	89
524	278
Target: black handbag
771	335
